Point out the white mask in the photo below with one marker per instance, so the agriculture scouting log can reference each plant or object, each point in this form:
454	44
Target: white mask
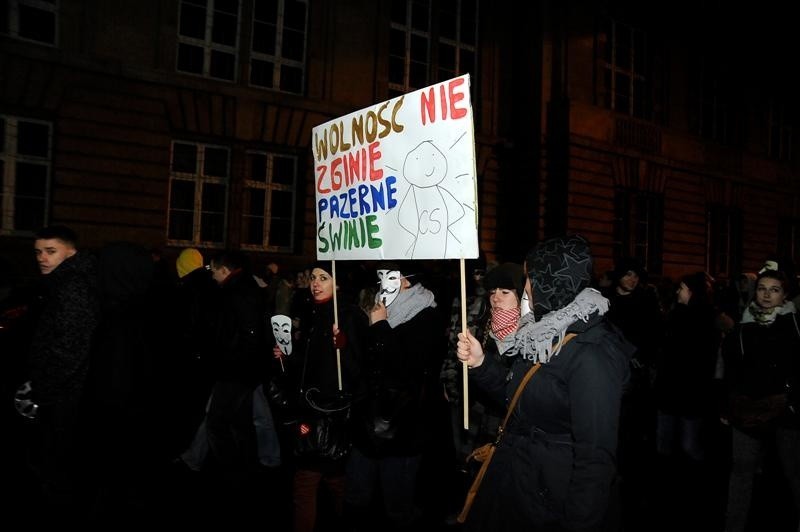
390	281
525	306
282	330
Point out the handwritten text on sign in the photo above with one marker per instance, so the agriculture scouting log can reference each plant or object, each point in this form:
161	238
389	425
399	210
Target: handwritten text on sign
398	180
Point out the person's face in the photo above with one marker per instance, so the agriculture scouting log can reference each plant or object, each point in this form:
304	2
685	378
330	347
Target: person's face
629	281
50	253
321	285
742	283
282	330
503	299
684	294
391	283
770	293
219	273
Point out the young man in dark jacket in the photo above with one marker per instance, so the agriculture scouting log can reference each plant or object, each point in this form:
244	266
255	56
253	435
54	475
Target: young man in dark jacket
58	365
238	362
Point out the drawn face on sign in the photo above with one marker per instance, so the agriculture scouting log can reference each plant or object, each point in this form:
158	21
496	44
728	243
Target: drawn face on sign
390	281
425	166
282	330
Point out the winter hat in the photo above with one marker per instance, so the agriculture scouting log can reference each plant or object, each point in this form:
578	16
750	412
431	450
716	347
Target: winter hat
559	269
509	276
630	264
388	265
407	268
188	261
696	283
769	265
324	265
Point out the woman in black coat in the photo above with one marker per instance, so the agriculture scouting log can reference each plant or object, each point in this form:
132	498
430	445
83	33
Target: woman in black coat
555	465
313	387
762	374
685	370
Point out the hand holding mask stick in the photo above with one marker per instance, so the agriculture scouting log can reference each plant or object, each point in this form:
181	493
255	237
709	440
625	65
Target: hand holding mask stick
282	331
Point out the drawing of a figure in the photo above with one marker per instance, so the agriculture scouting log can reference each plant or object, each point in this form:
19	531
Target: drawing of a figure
428	209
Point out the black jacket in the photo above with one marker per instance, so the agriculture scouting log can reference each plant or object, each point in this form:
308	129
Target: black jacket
556	462
762	360
397	369
685	369
240	351
60	349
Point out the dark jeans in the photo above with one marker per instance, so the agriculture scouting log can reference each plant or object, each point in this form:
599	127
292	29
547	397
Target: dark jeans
747	453
58	461
306	496
395	476
229	423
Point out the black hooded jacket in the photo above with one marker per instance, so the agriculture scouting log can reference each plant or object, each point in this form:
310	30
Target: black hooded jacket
59	356
557	460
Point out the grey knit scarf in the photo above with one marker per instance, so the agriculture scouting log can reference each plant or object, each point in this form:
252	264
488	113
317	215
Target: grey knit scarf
409	303
536	340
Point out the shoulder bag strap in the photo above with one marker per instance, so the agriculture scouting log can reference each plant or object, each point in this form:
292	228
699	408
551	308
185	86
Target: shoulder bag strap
521	387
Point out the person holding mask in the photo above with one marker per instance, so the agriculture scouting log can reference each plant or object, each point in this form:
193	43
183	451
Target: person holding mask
762	374
554	467
312	388
390	415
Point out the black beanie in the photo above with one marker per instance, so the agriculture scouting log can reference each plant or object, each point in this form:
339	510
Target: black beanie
508	275
696	282
559	268
630	264
324	265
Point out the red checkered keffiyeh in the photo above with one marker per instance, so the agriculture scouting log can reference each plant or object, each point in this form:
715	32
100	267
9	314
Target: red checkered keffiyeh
504	322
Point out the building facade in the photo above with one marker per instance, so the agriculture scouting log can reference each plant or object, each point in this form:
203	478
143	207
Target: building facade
175	123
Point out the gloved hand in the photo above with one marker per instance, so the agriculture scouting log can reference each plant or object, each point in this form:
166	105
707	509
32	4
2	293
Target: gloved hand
340	340
24	402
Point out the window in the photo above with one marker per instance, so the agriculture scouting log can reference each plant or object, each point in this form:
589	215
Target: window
278	48
30	20
712	99
208	37
623	53
638	229
198	194
724	238
779	145
268	211
457	38
415	24
25	154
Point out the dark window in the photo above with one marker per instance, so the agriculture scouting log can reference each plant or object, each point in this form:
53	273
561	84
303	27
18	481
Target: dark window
277	58
269	202
208	38
724	240
638	227
24	174
198	199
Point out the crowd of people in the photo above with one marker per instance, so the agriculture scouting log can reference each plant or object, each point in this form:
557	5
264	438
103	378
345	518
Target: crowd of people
205	390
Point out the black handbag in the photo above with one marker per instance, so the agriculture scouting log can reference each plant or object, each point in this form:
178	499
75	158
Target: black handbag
322	426
322	430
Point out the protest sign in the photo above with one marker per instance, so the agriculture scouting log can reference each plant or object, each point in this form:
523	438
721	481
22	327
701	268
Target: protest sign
397	180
